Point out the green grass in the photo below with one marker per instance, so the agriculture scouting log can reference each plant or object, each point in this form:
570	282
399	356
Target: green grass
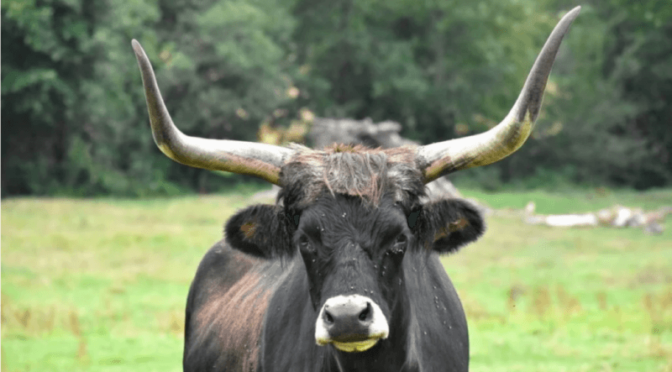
100	285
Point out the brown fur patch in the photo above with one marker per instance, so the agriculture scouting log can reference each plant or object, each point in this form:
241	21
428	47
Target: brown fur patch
248	229
452	227
353	170
458	225
237	315
440	234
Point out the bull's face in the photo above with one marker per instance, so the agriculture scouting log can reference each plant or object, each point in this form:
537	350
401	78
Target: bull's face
353	252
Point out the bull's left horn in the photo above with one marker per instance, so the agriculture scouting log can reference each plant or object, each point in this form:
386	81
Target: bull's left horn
441	158
256	159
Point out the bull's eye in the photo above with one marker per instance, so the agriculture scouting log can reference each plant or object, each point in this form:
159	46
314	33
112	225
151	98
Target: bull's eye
304	244
400	244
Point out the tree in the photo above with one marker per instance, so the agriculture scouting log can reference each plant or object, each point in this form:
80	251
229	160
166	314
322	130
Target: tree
75	119
76	123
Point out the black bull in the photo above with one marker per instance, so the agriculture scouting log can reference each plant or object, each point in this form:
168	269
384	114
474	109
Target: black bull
343	272
254	304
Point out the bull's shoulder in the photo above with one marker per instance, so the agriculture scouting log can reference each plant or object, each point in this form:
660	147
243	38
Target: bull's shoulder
221	267
225	311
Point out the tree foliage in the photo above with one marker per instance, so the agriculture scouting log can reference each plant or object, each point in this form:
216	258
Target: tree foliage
75	120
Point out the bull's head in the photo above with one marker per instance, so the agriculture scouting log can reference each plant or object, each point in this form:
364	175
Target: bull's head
352	213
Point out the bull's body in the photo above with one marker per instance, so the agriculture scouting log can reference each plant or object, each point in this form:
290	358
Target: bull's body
251	314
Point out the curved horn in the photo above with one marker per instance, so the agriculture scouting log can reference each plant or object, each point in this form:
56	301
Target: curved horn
256	159
441	158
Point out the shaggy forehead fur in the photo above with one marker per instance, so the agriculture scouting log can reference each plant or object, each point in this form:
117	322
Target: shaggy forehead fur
351	170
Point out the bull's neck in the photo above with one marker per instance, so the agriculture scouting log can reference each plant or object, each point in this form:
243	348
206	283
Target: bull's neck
388	355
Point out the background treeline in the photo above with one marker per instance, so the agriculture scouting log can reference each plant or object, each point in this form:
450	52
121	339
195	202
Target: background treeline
74	118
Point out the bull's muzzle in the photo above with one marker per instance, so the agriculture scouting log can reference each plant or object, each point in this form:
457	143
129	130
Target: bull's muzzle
351	323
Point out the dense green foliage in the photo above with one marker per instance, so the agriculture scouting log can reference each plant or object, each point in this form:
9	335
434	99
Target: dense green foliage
102	286
75	120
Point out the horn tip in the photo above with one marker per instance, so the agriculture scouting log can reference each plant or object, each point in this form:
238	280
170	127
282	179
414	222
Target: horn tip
574	12
568	19
137	48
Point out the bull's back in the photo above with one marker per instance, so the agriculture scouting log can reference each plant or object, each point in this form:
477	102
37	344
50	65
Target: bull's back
225	311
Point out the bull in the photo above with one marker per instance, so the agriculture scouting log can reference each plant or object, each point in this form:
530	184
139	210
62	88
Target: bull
343	272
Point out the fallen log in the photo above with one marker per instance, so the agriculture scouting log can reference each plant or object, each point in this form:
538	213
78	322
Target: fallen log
617	216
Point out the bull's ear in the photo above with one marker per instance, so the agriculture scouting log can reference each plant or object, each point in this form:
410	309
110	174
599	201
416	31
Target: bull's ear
260	230
446	225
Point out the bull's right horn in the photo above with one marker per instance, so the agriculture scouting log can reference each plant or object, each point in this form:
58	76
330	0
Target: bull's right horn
256	159
503	140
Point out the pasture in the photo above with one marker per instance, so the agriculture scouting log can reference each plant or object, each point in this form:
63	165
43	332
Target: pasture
100	284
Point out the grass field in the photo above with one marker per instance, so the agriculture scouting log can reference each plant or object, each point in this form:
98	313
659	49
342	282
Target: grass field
100	285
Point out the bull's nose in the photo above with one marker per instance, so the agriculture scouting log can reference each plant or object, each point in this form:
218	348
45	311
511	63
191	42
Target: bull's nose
351	316
351	323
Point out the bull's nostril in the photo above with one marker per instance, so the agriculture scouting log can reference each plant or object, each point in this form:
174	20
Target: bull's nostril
364	315
328	318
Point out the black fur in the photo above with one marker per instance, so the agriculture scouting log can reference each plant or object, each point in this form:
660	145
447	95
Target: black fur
446	225
261	230
356	220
